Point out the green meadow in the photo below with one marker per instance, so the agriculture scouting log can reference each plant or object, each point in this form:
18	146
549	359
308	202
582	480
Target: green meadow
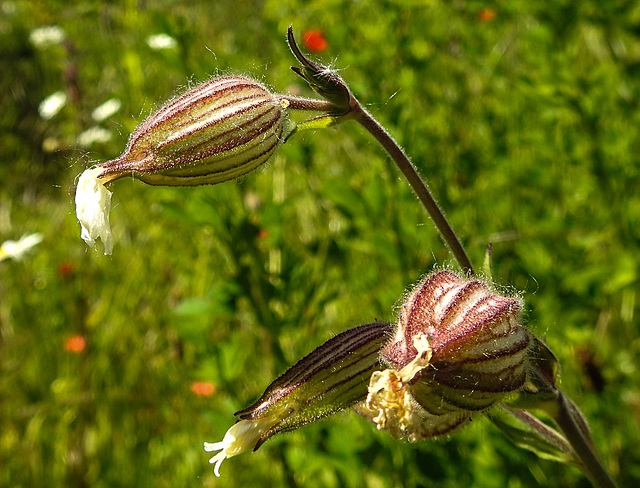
522	116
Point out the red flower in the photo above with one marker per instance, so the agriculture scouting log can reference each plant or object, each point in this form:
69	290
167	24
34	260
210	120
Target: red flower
65	269
314	41
203	388
487	14
76	344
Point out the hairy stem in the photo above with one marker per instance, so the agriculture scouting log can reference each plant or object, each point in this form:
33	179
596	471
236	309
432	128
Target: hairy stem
366	120
297	103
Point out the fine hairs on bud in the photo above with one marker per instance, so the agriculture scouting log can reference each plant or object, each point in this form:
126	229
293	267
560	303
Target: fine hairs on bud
215	132
458	348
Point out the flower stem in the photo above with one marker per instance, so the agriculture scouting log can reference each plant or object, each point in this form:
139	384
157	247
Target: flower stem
366	120
574	427
297	103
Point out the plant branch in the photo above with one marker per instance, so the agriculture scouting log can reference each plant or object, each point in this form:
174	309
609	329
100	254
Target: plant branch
366	120
297	103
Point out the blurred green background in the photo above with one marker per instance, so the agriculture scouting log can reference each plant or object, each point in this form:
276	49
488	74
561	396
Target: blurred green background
523	117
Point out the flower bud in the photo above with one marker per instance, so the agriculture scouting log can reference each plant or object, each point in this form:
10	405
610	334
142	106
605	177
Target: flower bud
333	377
458	348
321	79
215	132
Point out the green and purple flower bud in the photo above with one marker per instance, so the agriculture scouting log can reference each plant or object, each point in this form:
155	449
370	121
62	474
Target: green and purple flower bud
458	349
330	379
215	132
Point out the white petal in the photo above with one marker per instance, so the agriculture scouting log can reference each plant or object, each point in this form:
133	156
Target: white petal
241	437
93	203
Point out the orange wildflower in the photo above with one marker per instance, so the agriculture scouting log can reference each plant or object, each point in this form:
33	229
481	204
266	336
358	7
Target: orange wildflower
77	343
203	388
487	14
314	41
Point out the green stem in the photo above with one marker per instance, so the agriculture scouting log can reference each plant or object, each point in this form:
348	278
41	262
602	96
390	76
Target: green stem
402	161
366	120
574	427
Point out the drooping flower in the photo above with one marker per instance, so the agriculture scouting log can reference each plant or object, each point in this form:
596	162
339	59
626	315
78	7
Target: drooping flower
93	204
477	354
330	379
457	349
215	132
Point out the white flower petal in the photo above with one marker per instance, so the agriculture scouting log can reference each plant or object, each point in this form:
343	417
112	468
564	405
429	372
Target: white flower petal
241	437
93	203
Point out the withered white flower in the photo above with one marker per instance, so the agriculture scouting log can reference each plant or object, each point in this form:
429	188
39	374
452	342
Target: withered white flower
93	204
241	437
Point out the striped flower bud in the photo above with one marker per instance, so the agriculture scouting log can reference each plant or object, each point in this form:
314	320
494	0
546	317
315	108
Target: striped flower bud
333	377
458	349
215	132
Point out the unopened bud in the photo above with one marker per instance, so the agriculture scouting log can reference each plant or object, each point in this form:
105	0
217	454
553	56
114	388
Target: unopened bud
333	377
215	132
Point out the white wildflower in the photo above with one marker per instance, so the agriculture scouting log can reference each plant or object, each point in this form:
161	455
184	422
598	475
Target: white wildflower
106	110
45	36
93	203
92	135
161	41
51	105
18	249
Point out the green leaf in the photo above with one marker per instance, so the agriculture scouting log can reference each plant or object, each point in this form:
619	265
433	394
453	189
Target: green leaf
321	122
527	438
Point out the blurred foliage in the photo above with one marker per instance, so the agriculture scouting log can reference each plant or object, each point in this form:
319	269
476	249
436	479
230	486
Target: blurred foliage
522	116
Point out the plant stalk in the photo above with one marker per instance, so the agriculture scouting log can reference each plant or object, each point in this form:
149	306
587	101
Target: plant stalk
297	103
402	161
366	120
574	427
